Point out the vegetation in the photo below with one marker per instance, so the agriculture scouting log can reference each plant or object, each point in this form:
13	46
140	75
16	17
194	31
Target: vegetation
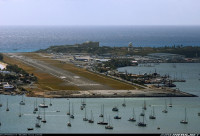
116	63
188	51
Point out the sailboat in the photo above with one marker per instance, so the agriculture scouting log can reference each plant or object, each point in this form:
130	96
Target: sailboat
42	105
22	102
69	123
124	103
20	111
102	108
50	104
84	102
0	102
165	110
102	122
144	106
36	108
142	114
109	126
7	109
142	124
185	120
152	116
44	120
38	117
132	118
0	121
37	124
34	111
68	113
170	104
85	118
92	118
72	115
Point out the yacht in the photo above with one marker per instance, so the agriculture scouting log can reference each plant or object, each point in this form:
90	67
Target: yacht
42	105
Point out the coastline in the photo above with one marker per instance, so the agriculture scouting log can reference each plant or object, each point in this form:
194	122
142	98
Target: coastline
94	93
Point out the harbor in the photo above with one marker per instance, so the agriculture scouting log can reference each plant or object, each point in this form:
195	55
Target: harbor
56	122
57	108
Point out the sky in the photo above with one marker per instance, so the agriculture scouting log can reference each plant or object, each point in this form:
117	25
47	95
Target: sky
99	12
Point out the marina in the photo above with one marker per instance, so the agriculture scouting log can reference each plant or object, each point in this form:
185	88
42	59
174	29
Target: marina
56	122
10	122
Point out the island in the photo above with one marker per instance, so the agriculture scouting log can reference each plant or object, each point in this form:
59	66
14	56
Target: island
88	70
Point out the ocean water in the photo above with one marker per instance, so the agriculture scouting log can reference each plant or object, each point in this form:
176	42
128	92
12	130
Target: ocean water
32	38
57	121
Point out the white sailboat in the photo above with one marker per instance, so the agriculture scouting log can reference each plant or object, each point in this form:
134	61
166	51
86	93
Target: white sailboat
42	105
132	118
165	110
185	120
170	104
69	122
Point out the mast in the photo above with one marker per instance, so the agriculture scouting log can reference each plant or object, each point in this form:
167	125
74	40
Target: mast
20	111
185	115
69	109
7	109
103	112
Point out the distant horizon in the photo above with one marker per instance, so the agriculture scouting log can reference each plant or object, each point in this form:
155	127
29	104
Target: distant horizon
98	25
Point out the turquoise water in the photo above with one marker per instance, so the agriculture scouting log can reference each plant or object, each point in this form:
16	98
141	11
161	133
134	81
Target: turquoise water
57	121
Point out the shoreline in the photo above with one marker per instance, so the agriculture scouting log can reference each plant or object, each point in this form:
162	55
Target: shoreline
100	92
